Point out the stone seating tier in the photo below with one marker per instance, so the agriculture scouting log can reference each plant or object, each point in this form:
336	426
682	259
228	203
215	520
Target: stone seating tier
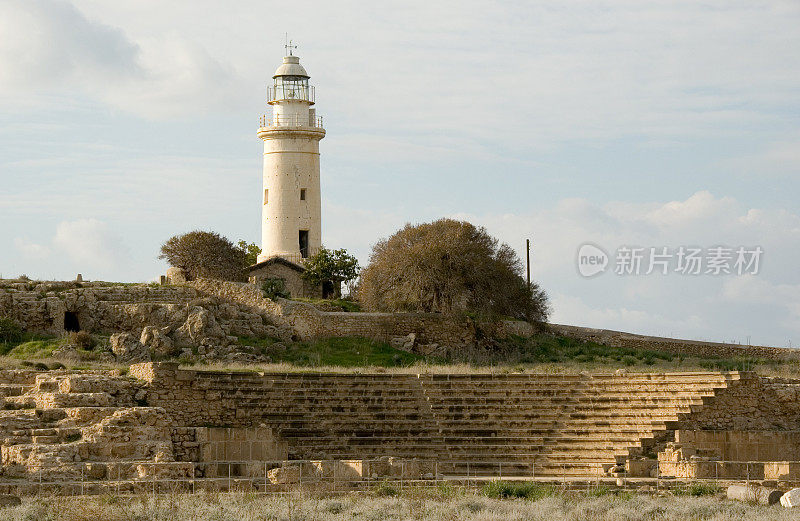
573	425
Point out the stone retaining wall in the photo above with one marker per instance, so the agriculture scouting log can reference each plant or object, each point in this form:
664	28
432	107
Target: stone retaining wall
41	306
674	345
744	445
758	404
309	322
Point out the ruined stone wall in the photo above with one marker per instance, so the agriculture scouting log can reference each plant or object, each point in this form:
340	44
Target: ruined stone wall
752	404
241	310
40	306
189	401
674	345
309	322
743	445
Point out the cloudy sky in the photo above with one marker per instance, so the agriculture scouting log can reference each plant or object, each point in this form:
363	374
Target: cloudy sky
619	123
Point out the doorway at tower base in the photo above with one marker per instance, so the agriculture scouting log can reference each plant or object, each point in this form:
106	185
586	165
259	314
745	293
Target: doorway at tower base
289	273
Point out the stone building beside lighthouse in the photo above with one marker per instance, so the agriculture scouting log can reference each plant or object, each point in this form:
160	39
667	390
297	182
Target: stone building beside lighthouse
291	211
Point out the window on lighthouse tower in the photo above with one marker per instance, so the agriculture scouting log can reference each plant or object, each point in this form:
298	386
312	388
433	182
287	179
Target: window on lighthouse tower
304	244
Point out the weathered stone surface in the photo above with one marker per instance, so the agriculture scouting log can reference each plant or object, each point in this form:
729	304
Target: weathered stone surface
791	499
754	494
284	475
201	327
126	348
156	340
176	275
105	425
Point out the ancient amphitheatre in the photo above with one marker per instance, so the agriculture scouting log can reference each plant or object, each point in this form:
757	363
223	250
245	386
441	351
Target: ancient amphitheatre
125	424
207	397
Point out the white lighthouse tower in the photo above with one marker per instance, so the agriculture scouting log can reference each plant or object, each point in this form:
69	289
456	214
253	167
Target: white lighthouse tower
291	206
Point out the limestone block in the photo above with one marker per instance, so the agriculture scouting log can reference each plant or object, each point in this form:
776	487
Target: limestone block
782	470
341	470
640	468
96	470
126	348
406	343
200	327
754	494
156	340
284	475
176	276
791	499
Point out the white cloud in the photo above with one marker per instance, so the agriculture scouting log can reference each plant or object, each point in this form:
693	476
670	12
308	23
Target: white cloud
30	249
50	48
700	206
416	74
48	44
90	243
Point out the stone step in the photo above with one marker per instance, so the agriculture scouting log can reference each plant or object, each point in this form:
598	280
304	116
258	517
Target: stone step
44	432
83	416
69	400
42	440
8	390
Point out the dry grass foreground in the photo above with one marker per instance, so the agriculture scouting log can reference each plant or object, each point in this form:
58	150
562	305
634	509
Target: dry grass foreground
423	506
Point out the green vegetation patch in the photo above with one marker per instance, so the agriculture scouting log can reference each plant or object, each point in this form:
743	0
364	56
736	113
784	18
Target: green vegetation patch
10	331
349	306
734	364
697	489
386	489
340	352
35	348
546	348
520	489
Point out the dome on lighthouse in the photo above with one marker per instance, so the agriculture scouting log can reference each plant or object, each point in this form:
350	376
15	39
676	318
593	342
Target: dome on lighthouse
291	67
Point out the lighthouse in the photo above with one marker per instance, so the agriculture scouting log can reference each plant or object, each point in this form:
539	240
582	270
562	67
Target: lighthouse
291	216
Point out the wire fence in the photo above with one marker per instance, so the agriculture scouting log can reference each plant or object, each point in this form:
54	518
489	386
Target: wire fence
132	477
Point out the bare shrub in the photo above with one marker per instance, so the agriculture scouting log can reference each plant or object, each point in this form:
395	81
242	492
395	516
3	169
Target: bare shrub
205	254
449	266
83	340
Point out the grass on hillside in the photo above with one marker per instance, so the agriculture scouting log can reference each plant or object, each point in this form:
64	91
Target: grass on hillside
35	349
31	345
547	348
332	304
542	352
406	504
337	352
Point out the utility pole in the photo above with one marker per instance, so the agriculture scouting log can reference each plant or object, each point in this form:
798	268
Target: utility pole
528	251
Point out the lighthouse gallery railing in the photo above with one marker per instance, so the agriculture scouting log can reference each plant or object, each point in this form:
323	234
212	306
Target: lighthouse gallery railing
290	121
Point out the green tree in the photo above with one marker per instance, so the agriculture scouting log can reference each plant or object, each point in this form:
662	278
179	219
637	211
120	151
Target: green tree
10	330
334	266
251	251
449	266
205	254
